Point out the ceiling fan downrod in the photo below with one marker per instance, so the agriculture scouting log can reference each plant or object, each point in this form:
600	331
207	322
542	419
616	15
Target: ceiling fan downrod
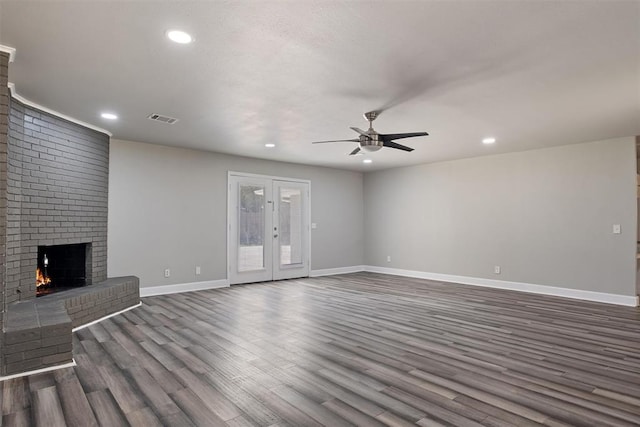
371	116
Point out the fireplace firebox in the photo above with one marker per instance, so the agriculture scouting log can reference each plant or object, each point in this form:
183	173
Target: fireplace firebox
62	267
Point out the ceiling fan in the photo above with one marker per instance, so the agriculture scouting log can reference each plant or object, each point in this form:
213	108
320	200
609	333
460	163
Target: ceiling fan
373	141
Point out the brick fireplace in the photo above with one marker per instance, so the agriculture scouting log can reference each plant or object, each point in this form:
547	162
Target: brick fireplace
57	190
54	177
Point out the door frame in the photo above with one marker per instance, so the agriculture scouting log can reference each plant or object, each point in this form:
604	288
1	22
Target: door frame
231	212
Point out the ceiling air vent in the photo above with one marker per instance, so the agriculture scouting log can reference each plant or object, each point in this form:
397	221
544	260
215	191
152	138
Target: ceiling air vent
163	119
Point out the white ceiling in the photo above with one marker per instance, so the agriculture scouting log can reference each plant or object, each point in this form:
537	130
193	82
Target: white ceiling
532	74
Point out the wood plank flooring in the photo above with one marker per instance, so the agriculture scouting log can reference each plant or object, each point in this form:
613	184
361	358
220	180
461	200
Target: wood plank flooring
360	349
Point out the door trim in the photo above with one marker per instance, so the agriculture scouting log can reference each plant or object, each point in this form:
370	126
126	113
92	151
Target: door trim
229	213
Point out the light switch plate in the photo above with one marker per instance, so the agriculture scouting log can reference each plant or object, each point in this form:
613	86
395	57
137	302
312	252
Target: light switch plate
616	229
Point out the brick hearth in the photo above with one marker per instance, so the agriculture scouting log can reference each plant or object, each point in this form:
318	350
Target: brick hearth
37	333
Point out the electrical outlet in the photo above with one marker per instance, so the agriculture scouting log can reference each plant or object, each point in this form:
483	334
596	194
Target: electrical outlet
167	272
197	270
388	258
496	269
314	225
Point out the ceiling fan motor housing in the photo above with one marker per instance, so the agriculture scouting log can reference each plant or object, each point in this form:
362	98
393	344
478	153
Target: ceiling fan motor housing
371	142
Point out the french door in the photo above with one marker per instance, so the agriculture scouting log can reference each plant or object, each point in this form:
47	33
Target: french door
268	232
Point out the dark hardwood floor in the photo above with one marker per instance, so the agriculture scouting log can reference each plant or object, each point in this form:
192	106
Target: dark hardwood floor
363	349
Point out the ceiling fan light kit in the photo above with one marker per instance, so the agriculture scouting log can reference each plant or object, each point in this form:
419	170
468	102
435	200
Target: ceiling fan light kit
372	141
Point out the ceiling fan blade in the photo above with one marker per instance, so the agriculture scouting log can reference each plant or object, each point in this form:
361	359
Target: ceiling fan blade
390	136
360	131
354	152
392	144
337	140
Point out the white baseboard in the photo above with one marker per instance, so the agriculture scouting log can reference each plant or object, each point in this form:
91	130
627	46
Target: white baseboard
183	287
631	301
77	328
339	270
40	371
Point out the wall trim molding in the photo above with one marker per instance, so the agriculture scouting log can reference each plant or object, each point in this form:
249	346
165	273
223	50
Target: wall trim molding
40	371
77	328
631	301
338	270
25	101
183	287
10	50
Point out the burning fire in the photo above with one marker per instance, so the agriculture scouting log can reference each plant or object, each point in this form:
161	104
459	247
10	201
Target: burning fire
41	279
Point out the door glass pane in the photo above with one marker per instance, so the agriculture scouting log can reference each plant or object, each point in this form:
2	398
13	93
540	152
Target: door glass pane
251	228
290	229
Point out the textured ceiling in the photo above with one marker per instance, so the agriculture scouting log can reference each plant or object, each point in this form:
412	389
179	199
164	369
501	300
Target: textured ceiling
532	74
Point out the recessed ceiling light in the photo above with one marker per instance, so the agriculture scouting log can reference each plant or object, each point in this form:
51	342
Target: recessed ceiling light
488	140
179	36
108	116
269	145
367	161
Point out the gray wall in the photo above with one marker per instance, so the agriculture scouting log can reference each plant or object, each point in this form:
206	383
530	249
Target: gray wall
544	216
168	209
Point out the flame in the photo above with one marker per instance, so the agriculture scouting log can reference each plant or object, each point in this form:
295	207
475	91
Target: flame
41	279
